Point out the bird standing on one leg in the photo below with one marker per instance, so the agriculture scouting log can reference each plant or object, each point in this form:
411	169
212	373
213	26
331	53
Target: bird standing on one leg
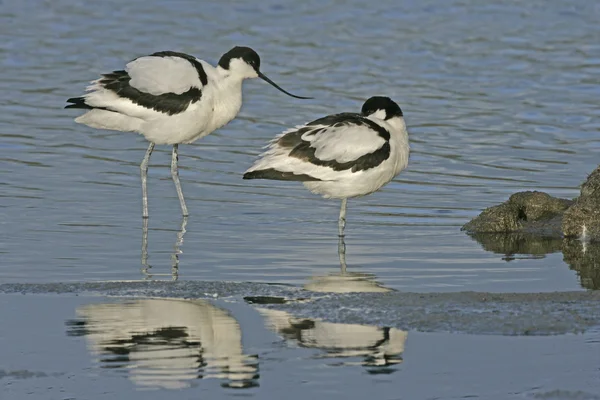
170	98
342	155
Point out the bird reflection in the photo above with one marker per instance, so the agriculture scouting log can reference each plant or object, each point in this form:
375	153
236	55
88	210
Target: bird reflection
582	257
344	281
377	348
167	343
146	268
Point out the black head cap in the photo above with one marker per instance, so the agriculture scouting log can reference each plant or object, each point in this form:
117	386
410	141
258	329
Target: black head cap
245	53
376	103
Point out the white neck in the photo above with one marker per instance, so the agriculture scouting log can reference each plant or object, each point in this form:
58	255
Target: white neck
397	124
227	97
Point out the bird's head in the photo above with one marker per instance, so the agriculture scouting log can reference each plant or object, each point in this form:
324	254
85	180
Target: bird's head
244	63
381	107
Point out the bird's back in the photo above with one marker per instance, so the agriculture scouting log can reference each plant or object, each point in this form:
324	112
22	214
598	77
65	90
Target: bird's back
166	96
340	155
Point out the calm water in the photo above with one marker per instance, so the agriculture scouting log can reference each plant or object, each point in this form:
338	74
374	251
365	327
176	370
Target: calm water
83	348
498	98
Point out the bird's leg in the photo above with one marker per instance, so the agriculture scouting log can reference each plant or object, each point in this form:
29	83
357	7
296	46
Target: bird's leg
145	266
342	219
175	175
177	252
342	254
144	171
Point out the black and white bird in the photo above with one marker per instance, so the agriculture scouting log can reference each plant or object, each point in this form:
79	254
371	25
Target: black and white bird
170	98
342	155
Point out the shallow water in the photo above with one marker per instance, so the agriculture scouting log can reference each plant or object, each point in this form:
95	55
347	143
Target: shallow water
221	348
498	98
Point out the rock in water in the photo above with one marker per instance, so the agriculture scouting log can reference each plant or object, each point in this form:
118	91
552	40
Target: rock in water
582	220
541	214
529	212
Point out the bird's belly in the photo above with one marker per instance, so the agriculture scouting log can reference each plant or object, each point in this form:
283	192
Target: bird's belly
354	184
196	122
178	128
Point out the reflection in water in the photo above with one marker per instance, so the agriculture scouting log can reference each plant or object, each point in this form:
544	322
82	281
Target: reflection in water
344	281
164	343
379	348
584	258
174	257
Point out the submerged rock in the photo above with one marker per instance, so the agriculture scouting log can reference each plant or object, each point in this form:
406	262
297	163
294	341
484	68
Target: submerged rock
540	214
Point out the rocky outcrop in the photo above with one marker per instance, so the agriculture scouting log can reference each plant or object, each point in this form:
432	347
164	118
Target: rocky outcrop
583	218
538	213
525	212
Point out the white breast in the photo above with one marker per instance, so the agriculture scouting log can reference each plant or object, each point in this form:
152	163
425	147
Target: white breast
220	103
400	148
227	102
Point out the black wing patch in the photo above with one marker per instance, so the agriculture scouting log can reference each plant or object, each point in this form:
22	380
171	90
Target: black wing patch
169	103
302	149
347	119
78	102
293	139
362	163
272	173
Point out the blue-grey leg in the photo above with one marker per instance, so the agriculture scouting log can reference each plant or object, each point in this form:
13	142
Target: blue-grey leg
342	255
342	219
175	175
144	171
145	266
177	252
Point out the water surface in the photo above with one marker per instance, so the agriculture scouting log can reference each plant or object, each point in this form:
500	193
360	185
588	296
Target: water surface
97	348
499	97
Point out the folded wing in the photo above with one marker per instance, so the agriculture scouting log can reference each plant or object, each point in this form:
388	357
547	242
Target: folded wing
164	82
325	149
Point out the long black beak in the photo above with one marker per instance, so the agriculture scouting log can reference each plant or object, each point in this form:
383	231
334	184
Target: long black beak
276	86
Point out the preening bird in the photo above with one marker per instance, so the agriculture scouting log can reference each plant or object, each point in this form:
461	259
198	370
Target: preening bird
341	155
170	98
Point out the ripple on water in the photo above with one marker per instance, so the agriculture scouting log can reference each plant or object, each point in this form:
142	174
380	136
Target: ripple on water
498	98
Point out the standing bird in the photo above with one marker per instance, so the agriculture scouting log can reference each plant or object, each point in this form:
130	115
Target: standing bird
341	155
170	98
